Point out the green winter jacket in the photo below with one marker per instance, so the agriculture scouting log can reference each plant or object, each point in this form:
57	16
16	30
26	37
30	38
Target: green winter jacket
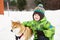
42	25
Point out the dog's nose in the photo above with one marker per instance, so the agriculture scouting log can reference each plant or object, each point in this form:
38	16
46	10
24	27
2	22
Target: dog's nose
11	30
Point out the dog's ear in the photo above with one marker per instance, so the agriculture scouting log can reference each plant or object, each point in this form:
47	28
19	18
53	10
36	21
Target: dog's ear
18	22
11	20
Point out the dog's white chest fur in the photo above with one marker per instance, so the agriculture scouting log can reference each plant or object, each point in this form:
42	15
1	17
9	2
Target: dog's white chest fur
16	31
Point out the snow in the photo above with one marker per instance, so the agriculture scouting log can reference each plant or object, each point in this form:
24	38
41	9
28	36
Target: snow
5	22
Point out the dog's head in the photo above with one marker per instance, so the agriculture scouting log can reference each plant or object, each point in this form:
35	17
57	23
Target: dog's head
16	27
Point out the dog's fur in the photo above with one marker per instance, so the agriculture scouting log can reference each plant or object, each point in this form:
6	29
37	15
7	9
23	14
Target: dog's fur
18	29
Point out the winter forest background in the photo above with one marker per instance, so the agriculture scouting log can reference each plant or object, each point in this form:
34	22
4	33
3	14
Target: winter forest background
31	4
16	10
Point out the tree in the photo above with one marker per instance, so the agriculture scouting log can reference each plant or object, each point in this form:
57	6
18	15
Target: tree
21	4
13	3
39	2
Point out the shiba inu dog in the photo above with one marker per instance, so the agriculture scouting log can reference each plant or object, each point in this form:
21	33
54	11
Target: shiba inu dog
21	32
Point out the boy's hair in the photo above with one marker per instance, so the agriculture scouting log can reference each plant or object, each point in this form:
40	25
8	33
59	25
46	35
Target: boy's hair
40	14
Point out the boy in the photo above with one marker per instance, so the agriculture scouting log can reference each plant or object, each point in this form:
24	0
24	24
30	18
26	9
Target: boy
42	29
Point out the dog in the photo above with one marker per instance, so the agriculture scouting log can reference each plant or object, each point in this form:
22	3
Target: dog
21	32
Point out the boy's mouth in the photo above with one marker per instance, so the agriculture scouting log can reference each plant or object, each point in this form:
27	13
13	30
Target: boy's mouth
36	18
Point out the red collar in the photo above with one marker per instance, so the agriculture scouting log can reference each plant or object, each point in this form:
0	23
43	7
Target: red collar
22	34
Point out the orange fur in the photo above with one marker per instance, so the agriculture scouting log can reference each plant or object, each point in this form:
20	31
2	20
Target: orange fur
27	33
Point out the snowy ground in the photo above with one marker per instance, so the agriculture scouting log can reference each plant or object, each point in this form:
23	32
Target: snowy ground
5	22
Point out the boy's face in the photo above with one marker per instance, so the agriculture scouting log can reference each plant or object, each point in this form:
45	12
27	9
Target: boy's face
36	17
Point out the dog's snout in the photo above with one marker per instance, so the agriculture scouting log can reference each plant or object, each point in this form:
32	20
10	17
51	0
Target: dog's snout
11	30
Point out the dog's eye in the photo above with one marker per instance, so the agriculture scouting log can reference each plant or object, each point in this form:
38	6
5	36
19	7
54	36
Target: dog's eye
15	27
